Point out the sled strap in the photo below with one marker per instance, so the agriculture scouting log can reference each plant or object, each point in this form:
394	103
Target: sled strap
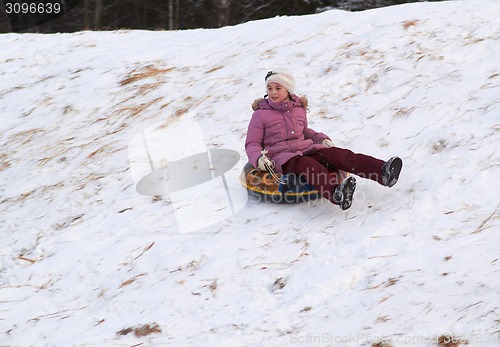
270	169
276	178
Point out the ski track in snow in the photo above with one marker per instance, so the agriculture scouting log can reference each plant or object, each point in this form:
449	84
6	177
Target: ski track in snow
84	256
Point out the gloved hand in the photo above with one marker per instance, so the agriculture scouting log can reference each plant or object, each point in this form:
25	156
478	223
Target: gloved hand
263	160
328	143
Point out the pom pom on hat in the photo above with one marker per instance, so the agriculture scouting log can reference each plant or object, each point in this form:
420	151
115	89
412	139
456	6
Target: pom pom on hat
283	78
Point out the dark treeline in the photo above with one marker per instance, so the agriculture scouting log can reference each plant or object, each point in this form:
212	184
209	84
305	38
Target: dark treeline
182	14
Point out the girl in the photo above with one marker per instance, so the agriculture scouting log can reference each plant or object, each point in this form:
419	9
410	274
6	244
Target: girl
279	138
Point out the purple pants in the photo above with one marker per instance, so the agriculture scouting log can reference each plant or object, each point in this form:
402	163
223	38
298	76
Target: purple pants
319	168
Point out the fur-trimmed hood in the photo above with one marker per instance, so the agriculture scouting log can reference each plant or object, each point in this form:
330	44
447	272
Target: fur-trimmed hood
264	103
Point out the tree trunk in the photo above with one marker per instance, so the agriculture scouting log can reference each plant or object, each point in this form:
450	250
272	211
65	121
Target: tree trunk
86	15
4	20
171	15
98	15
177	13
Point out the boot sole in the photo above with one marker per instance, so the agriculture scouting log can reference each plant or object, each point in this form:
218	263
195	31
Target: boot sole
395	170
347	193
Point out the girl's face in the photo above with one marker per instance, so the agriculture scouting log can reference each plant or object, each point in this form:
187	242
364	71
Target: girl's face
276	92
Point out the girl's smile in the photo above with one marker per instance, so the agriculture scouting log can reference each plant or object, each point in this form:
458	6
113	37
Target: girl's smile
276	93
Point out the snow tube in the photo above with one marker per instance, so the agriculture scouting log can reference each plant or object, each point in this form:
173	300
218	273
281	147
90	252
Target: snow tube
261	186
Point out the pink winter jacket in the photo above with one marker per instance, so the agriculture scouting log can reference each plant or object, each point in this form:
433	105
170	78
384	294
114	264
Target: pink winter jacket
281	129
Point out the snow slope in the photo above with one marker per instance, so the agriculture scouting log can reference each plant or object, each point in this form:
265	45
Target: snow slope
84	257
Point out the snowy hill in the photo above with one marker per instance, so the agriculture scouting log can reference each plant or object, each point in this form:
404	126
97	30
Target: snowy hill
86	260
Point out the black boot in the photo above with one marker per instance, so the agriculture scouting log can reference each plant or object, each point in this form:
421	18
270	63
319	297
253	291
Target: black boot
344	192
391	170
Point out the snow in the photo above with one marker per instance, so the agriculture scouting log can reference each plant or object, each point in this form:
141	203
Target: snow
84	256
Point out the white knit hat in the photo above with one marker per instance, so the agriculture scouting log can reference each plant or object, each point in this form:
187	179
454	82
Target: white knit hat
283	78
